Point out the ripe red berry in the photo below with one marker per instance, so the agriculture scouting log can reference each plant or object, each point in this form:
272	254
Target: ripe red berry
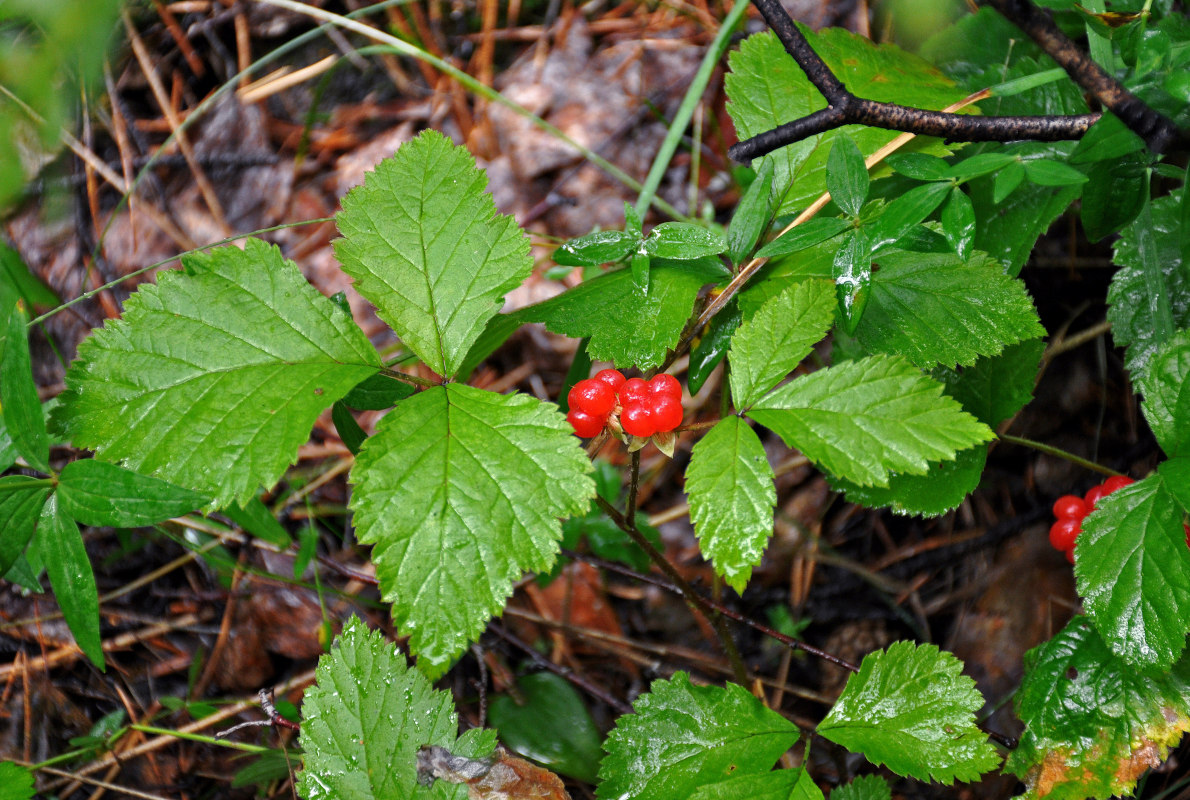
592	397
612	377
1116	482
1070	506
584	424
664	385
1064	532
633	392
1092	497
667	413
637	420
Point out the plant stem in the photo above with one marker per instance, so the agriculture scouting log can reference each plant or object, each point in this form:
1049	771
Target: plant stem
198	737
407	378
1060	453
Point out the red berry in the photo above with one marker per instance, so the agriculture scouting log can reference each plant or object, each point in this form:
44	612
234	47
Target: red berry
1092	497
1116	482
633	392
593	397
1064	532
667	413
584	424
664	385
1070	506
612	377
1070	554
637	420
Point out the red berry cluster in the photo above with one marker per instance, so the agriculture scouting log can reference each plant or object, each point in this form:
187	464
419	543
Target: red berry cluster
645	407
1070	510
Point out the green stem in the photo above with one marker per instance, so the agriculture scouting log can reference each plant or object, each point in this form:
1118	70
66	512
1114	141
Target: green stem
407	378
198	737
1060	453
20	486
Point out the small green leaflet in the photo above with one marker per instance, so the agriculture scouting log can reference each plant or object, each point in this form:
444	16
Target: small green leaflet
214	377
98	493
626	326
71	577
21	499
682	737
730	486
846	175
784	784
865	787
596	248
752	216
1166	389
1130	313
23	419
682	241
934	308
550	724
365	719
911	709
425	245
1133	571
1094	723
460	491
867	419
930	495
16	782
767	347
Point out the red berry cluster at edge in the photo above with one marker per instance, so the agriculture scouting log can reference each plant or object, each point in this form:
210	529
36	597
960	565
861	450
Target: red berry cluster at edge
644	407
1070	510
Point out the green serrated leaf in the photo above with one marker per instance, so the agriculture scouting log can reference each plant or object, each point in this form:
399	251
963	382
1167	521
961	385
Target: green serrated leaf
377	393
596	248
1133	570
681	241
682	737
1176	474
993	389
16	782
911	709
865	787
930	495
1094	723
935	308
626	326
460	491
71	578
766	88
1115	193
18	393
365	719
424	244
730	486
866	419
552	727
21	499
847	175
98	493
808	234
767	347
213	379
1166	389
1130	299
752	216
958	223
783	784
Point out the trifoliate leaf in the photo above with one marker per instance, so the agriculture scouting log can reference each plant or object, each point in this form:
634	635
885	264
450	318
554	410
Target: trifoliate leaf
1094	723
21	499
767	347
865	787
866	419
730	486
98	493
425	245
934	308
365	719
626	326
993	389
911	709
214	377
460	491
1130	310
766	88
1166	389
682	737
16	782
71	577
930	495
784	784
1133	570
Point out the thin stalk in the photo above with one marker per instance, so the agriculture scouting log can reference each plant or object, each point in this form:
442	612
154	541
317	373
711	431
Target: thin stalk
1060	453
198	737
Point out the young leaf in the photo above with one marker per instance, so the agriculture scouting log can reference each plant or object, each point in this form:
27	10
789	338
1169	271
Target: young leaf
730	486
1133	571
710	349
1007	180
460	491
918	166
906	212
680	241
425	245
911	709
682	737
16	782
934	308
255	518
596	248
958	223
1044	172
995	388
1166	389
1116	191
365	719
98	493
930	495
847	175
852	271
866	419
377	393
351	434
18	394
214	377
1094	724
783	784
865	787
21	282
980	164
21	500
1131	311
550	725
752	216
71	577
767	347
626	326
808	234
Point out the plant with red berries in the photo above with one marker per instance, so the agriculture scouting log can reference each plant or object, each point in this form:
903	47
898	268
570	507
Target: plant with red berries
1070	510
645	408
